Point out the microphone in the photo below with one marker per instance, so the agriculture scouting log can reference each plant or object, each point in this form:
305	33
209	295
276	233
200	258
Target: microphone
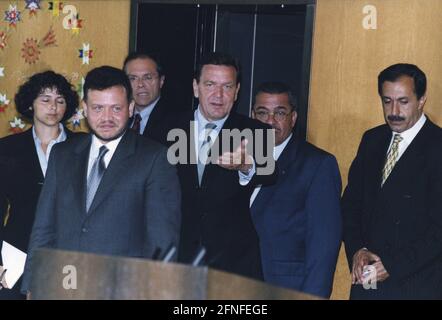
169	253
199	257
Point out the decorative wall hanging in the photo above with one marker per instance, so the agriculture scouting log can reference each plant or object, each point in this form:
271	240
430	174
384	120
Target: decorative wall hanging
55	6
85	53
4	102
12	15
33	6
77	117
31	48
3	38
16	125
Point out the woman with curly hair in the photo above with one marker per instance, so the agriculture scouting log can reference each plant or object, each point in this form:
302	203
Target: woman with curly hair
47	99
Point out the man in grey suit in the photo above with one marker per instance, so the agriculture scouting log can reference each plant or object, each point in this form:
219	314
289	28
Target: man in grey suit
110	192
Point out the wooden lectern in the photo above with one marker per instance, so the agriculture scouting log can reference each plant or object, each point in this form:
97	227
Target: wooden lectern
60	274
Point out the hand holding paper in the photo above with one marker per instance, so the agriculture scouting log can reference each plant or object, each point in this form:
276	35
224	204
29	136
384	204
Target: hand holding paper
14	262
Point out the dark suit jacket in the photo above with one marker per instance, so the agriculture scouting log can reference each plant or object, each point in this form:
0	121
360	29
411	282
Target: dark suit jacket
154	127
216	214
402	221
298	220
21	180
136	208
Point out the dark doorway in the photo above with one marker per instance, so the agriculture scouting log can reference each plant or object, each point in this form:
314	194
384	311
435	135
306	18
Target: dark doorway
272	42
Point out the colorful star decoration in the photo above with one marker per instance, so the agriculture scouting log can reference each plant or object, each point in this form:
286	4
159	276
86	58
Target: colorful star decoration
33	6
75	25
77	117
55	6
12	15
80	88
85	53
30	51
4	102
17	125
2	71
3	38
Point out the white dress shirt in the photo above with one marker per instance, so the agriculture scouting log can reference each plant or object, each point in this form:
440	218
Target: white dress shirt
200	124
145	114
95	150
408	136
276	154
44	157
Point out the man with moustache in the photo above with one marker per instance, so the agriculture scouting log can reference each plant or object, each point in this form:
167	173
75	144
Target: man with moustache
298	219
110	192
147	77
392	206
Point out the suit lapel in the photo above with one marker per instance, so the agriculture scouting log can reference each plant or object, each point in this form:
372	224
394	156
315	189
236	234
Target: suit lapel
79	171
287	158
411	158
30	153
116	169
210	169
376	156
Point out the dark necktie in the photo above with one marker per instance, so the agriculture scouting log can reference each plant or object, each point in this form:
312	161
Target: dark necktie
137	123
95	176
204	150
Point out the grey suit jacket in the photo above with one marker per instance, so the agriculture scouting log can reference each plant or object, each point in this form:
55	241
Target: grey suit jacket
136	208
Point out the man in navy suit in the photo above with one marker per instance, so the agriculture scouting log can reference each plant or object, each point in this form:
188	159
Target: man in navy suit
298	219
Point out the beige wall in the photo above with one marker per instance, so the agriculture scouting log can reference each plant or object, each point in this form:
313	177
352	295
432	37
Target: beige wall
346	61
105	27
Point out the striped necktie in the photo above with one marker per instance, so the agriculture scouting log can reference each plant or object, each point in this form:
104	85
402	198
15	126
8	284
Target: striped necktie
204	149
392	157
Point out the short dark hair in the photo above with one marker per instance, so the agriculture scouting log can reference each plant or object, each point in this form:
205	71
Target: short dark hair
394	72
106	77
218	59
144	55
276	87
36	84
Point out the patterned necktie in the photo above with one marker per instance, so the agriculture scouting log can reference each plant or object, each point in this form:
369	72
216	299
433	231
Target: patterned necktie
391	157
204	150
95	176
137	123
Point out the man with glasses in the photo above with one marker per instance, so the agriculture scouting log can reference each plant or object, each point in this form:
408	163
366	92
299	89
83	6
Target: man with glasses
298	219
147	78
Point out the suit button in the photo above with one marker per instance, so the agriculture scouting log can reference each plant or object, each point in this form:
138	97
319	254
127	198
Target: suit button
398	222
84	230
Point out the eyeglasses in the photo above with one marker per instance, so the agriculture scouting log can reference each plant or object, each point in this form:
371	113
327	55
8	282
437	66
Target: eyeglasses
279	115
149	77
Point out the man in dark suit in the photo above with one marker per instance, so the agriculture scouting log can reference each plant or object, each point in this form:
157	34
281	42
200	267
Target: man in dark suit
392	206
215	203
111	192
298	219
147	77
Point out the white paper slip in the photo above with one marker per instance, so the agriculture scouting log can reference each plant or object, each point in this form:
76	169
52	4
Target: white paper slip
14	262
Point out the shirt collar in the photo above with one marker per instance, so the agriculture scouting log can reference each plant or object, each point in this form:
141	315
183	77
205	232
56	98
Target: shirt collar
409	134
280	148
61	136
96	144
202	121
146	111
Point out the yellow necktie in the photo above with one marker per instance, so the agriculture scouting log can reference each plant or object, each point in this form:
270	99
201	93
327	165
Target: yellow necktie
391	157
